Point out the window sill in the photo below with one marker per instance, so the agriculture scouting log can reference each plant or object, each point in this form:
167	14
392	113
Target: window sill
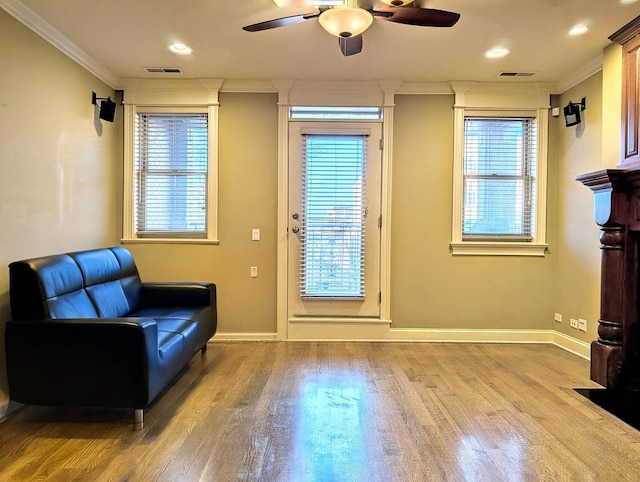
476	248
169	241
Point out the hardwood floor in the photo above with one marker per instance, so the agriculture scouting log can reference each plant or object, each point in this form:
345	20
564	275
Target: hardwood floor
344	412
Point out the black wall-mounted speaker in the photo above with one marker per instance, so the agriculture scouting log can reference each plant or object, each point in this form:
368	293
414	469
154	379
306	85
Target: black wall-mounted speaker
107	110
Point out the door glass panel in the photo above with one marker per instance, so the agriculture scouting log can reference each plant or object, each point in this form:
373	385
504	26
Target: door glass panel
334	211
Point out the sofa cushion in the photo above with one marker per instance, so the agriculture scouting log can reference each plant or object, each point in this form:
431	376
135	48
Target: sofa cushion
109	299
129	276
106	274
200	318
186	328
97	266
72	305
38	287
59	275
173	353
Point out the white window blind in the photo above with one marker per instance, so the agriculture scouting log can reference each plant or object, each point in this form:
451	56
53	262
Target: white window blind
334	211
171	172
499	168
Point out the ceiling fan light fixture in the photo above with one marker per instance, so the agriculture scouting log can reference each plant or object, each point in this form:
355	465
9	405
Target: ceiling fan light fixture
345	22
397	3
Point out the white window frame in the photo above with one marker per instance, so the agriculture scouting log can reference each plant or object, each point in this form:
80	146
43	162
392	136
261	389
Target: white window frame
537	245
167	103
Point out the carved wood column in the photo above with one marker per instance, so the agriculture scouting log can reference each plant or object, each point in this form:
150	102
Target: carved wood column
618	295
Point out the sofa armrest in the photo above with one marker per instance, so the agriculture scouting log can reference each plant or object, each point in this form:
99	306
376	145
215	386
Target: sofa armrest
82	362
186	294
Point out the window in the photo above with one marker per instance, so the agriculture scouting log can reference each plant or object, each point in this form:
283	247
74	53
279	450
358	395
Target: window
171	173
499	183
336	113
333	216
499	177
170	185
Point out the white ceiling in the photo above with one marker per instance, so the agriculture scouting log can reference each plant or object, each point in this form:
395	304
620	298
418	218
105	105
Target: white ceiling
122	37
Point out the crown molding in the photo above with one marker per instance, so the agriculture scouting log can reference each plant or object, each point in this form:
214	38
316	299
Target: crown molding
627	32
508	95
40	26
420	88
249	86
579	75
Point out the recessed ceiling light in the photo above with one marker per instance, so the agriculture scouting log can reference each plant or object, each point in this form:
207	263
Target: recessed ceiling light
628	1
180	49
496	52
578	29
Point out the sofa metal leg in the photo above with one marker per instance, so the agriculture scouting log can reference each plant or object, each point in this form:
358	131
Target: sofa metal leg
203	350
138	419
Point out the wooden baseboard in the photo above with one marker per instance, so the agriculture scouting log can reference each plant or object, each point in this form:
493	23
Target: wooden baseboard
573	345
382	333
225	337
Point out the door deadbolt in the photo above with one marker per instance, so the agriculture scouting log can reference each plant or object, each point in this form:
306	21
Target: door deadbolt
295	216
295	230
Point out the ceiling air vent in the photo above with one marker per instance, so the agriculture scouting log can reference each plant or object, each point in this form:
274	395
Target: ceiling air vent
516	74
163	70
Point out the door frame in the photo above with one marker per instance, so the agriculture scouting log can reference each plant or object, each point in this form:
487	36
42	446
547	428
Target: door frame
349	94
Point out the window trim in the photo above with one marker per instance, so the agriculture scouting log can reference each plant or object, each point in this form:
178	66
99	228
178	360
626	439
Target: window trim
537	246
129	235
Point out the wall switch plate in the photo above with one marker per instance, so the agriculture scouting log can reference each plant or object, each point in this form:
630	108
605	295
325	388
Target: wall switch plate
574	323
255	234
582	324
557	317
254	271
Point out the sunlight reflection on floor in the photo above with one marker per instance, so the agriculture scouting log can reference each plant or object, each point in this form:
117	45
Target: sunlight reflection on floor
331	428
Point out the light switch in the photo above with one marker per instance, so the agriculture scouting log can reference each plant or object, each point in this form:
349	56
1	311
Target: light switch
255	234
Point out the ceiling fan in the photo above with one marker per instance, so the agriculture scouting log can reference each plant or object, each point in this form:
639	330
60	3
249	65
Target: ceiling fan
348	21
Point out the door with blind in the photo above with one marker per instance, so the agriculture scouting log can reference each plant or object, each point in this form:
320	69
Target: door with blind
334	214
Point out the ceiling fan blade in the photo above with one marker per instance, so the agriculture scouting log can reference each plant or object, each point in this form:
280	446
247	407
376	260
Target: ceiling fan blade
350	45
422	17
280	22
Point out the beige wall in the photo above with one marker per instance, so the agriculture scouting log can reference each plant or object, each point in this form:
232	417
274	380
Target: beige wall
59	166
430	288
248	199
577	150
611	106
588	147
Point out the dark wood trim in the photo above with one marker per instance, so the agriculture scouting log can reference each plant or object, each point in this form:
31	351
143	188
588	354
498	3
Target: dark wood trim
627	32
629	37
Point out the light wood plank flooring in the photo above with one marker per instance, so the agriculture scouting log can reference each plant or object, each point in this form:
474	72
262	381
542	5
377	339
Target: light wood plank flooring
344	412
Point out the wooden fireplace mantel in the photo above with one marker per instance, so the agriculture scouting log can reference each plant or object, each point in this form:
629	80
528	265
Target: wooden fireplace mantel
617	212
614	355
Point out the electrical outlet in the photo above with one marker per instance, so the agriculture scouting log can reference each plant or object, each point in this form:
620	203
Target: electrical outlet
582	324
557	317
574	323
254	271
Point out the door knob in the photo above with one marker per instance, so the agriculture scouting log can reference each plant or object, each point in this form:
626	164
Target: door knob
295	229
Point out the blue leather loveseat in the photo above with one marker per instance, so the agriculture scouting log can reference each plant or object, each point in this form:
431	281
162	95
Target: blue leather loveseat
86	332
